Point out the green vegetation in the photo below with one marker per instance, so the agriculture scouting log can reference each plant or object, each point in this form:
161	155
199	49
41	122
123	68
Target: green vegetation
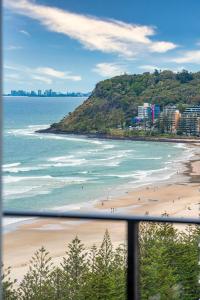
113	103
168	269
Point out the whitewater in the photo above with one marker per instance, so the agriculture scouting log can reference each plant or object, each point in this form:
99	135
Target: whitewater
48	171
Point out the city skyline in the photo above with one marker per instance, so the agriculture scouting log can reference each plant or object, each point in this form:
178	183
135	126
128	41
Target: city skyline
46	93
54	43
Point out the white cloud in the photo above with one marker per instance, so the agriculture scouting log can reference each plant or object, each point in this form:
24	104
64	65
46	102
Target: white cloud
57	74
188	57
161	46
110	36
25	32
109	69
50	72
73	77
45	74
42	78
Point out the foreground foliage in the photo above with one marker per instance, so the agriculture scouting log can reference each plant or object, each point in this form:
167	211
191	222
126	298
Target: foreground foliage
168	269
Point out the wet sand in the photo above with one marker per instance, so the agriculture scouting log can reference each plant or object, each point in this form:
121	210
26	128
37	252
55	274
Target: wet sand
180	198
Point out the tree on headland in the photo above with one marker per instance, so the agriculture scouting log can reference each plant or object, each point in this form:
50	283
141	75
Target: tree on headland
114	102
184	76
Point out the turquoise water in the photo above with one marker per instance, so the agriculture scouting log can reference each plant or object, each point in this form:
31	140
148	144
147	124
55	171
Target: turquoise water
45	171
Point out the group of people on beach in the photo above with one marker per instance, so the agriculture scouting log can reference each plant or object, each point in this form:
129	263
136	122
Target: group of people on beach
113	209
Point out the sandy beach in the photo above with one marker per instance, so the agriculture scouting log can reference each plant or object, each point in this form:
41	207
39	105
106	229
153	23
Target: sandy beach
178	197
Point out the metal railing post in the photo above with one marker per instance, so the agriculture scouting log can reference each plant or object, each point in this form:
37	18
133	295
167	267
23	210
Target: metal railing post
1	139
133	279
133	261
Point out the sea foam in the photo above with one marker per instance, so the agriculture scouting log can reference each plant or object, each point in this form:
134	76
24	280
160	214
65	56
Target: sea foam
31	131
29	186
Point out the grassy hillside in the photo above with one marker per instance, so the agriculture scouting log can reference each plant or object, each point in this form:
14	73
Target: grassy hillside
114	101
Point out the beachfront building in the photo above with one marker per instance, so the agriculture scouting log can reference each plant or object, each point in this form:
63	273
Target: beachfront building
155	110
144	111
190	121
147	116
148	111
169	119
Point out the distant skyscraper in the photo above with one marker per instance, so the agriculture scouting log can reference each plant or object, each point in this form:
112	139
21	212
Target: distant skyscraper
33	93
46	93
13	93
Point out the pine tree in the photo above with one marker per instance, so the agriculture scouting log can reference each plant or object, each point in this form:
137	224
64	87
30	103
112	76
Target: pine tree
36	283
187	257
75	269
119	272
8	285
59	285
168	269
158	274
100	282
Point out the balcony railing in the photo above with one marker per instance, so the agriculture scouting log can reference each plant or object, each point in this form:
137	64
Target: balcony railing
133	290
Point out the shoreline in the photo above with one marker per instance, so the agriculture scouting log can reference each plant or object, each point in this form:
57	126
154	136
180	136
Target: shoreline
178	196
12	224
114	137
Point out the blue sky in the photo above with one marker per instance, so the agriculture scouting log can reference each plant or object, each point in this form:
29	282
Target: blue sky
73	44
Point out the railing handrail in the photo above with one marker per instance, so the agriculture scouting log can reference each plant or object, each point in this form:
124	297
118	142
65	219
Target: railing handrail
133	289
100	216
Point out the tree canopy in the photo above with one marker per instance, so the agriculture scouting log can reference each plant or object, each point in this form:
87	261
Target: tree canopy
114	101
168	262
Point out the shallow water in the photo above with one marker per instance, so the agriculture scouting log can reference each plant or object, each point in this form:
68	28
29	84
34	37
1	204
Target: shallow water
46	171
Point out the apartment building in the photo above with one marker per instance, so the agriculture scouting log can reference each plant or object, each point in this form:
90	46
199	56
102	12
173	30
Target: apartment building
190	121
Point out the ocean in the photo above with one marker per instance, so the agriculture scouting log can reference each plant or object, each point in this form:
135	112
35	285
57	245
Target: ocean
66	172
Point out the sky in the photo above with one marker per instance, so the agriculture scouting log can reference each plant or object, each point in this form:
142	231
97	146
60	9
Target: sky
70	45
